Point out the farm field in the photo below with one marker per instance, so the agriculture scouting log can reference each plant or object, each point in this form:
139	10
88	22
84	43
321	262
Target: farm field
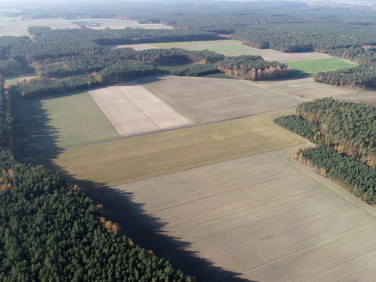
46	124
19	26
264	217
209	99
306	88
319	65
235	48
137	47
141	157
133	110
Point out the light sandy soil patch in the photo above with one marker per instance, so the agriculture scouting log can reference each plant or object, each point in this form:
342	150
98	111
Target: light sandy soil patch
137	47
308	89
294	57
19	26
210	99
209	44
133	110
121	23
264	217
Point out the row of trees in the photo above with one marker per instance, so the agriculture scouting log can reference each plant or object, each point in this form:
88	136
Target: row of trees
88	63
347	127
50	230
355	176
346	137
253	68
301	127
362	76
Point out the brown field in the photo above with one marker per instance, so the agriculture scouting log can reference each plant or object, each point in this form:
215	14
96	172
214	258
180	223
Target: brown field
141	157
263	217
133	110
306	88
209	99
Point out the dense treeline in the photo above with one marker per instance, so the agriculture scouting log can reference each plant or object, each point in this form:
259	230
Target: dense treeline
195	70
50	230
88	63
357	177
5	117
346	137
362	76
301	127
46	87
347	127
253	68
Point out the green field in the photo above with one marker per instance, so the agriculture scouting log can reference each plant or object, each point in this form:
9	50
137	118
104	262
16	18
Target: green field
310	67
141	157
237	50
57	122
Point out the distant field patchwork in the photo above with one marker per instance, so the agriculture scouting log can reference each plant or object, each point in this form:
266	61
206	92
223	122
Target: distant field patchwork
17	26
210	99
142	157
263	217
61	121
133	110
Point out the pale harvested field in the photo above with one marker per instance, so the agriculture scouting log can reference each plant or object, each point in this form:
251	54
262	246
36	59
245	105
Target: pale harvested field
133	110
211	99
121	24
294	57
18	27
306	88
146	156
137	47
264	217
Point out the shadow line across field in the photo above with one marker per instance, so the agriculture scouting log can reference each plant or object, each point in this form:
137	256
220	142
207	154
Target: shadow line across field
35	136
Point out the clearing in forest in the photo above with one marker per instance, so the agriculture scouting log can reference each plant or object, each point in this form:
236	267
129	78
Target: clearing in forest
236	48
212	99
311	67
45	124
264	217
225	47
141	157
133	110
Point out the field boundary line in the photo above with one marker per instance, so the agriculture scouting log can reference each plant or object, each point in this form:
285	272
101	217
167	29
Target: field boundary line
335	187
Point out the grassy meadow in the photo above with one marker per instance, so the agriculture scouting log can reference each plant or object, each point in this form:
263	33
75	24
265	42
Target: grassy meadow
141	157
57	122
310	67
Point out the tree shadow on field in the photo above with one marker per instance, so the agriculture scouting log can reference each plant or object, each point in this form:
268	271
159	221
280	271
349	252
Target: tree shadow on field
33	133
37	143
148	231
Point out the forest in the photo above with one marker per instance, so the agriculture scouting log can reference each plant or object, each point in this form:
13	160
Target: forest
362	76
345	134
79	62
51	230
253	68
